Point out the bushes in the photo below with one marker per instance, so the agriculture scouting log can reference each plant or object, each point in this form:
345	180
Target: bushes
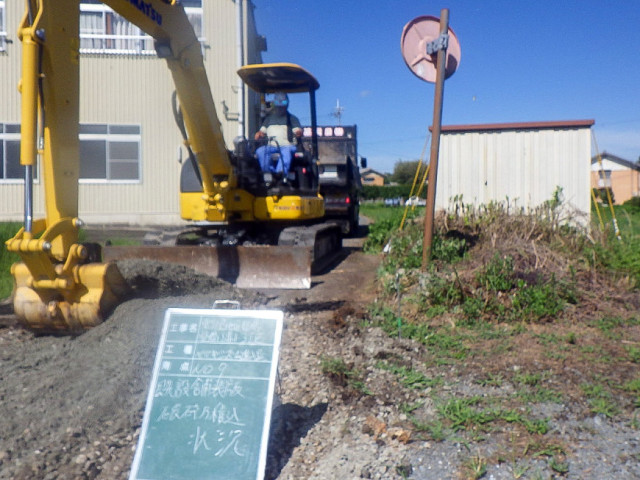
370	192
496	264
495	293
620	258
633	203
603	194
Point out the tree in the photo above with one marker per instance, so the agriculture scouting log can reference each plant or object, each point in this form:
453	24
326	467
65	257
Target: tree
404	172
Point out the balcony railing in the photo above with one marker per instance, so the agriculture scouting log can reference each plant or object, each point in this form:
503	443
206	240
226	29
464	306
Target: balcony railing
116	44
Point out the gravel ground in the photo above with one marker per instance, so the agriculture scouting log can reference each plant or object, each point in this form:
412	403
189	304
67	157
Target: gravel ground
71	408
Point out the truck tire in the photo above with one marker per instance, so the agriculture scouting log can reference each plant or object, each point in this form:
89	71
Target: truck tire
354	222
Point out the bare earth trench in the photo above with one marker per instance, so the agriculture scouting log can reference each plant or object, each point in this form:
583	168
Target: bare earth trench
71	407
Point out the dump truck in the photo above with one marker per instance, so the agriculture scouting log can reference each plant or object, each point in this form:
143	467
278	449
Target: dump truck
339	173
244	223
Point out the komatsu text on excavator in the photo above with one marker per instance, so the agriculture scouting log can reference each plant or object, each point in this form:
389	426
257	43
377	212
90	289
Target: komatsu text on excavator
256	228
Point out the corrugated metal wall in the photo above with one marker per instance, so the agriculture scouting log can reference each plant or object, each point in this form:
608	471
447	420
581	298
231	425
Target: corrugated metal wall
133	90
11	193
523	166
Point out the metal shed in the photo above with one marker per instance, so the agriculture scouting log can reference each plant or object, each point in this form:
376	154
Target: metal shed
523	163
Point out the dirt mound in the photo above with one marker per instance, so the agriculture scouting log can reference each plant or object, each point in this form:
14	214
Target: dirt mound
151	279
71	406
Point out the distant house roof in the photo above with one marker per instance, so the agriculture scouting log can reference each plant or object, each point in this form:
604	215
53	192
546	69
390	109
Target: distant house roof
615	159
560	124
368	171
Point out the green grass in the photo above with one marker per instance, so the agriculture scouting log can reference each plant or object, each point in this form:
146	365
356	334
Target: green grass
532	389
498	291
7	231
621	256
467	414
339	371
600	399
378	211
406	244
386	220
408	377
491	380
476	466
633	386
443	343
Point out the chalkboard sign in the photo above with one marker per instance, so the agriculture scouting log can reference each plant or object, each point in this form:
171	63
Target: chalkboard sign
209	405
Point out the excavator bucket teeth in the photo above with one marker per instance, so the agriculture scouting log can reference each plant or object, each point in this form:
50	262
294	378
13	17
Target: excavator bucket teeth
260	267
97	290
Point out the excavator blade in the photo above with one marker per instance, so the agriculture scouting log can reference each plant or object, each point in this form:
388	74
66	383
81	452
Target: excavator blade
268	267
94	294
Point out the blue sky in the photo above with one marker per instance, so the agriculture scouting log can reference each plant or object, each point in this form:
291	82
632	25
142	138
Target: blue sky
521	61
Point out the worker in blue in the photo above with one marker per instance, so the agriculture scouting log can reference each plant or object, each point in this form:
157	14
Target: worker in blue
281	129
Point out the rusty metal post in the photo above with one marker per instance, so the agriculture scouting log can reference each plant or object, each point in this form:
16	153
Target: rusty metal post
435	142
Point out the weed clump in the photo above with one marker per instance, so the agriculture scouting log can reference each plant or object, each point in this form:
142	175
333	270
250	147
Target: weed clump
490	263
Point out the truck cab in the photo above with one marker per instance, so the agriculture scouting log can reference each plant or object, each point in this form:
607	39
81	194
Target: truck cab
339	174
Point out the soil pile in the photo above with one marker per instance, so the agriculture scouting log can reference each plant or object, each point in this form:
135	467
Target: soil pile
71	406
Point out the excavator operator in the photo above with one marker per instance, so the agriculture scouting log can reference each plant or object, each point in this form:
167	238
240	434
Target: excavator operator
280	129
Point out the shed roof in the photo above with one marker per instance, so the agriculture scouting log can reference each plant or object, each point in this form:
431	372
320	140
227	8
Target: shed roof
483	127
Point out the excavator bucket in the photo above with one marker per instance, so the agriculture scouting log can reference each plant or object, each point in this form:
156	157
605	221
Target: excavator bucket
259	267
95	292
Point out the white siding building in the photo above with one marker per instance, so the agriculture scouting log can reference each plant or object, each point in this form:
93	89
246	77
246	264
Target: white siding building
129	141
522	162
615	173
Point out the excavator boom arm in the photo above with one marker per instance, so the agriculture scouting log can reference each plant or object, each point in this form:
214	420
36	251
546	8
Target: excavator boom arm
176	42
55	287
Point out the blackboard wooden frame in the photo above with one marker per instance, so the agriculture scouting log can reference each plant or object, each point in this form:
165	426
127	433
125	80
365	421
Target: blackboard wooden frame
209	403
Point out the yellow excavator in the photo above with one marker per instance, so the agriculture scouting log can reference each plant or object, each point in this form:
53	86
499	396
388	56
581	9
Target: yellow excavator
247	226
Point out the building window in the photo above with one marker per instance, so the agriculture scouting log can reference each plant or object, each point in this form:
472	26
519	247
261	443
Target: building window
604	179
106	32
110	152
3	26
10	168
107	153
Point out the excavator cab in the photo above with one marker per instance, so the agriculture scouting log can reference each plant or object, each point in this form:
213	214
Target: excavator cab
287	78
255	199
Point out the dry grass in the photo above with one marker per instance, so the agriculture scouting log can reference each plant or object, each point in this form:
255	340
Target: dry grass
549	241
